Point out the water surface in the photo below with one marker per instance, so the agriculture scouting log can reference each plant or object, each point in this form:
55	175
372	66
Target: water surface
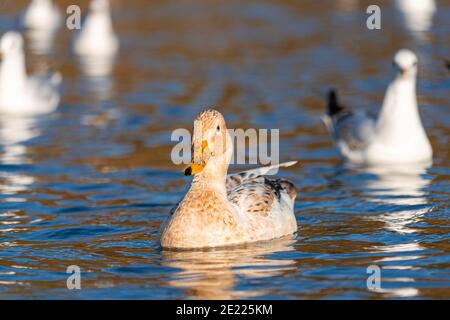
90	184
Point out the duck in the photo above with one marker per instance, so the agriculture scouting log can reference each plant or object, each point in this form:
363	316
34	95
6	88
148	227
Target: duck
42	15
396	135
97	37
19	93
222	209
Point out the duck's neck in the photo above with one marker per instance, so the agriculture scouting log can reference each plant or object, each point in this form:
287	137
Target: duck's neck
211	178
399	116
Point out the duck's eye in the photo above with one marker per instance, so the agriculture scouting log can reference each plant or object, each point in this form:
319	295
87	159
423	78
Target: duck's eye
415	63
218	128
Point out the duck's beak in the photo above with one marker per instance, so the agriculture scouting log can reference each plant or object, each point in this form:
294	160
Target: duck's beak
198	159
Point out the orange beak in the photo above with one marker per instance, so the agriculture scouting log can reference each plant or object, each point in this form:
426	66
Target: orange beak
198	160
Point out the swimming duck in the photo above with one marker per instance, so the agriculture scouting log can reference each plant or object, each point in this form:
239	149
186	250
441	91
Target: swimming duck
396	136
20	94
221	209
97	36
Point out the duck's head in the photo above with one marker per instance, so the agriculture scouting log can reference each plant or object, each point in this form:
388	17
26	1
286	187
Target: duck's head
211	145
11	43
405	63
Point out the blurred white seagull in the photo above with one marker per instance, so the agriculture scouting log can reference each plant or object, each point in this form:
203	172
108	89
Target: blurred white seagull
42	14
396	136
97	36
418	14
20	94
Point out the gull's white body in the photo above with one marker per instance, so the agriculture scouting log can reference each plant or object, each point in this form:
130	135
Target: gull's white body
97	36
221	210
397	135
418	14
42	14
20	94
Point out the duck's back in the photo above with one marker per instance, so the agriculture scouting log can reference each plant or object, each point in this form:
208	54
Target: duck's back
264	203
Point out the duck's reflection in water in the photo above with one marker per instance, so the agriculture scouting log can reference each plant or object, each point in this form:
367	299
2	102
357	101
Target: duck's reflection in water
14	133
213	274
403	189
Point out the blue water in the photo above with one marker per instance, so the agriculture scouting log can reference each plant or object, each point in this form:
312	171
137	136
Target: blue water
90	184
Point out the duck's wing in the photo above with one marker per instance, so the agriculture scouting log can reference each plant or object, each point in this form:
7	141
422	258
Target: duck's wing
351	130
236	179
255	192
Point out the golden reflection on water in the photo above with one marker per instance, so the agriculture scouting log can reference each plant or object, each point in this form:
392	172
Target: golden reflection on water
214	274
264	65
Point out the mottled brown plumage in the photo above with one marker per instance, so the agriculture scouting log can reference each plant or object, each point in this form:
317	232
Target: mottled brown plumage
221	210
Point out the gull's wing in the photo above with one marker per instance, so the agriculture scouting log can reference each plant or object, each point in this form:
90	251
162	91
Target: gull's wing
351	130
45	90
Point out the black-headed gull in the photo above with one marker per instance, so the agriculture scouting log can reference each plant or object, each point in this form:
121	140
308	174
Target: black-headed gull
396	135
20	94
